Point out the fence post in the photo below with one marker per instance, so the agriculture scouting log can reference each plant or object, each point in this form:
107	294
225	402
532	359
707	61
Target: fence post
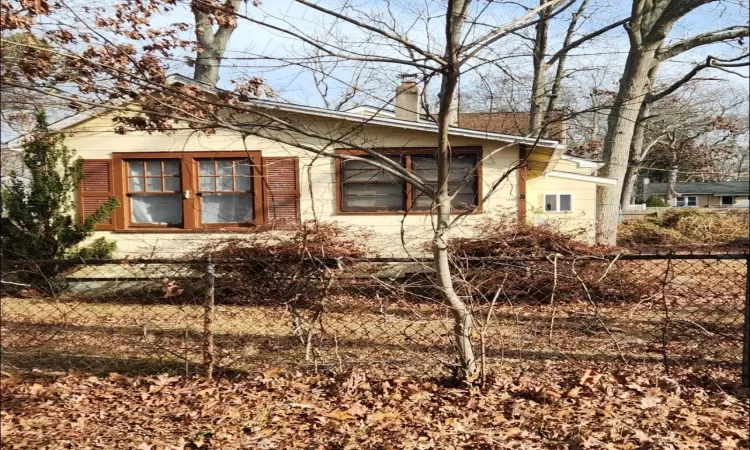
208	320
746	329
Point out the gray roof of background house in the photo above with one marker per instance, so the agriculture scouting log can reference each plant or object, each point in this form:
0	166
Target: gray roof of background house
711	188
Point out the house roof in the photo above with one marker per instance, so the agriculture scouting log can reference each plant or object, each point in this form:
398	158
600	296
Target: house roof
509	122
708	188
376	120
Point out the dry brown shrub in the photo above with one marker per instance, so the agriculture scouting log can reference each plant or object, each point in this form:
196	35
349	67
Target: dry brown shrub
531	263
687	229
274	266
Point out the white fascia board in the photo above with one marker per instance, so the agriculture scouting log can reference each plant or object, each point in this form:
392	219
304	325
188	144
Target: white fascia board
583	163
580	177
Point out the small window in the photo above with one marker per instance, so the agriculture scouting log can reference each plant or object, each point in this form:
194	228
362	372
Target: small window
558	202
155	191
687	201
225	189
727	200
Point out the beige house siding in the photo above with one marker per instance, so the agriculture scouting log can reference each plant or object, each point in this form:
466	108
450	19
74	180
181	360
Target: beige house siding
95	139
583	215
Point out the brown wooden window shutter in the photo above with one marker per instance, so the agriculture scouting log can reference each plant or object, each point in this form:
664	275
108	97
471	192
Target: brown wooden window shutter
281	190
96	188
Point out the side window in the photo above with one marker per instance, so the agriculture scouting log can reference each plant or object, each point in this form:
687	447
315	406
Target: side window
226	190
558	202
155	192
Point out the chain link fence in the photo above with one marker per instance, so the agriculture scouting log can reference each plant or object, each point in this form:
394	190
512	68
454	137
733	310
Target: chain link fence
203	316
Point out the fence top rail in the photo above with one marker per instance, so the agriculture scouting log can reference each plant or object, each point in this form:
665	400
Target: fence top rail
334	261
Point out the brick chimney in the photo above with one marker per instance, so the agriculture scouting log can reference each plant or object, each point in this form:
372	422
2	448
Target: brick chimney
407	99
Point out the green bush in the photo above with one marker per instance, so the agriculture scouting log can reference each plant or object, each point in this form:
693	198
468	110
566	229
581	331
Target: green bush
100	248
36	221
655	202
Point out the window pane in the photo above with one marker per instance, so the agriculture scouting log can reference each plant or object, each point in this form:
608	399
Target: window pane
207	184
225	166
692	201
171	168
135	168
242	167
243	183
464	201
426	167
153	168
227	208
727	200
362	172
375	196
172	184
136	185
422	202
166	208
153	184
225	183
550	203
566	203
206	168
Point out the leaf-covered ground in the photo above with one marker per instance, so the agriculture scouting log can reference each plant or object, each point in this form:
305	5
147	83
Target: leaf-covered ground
554	407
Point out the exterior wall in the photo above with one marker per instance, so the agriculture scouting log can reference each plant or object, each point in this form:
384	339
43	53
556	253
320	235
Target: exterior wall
95	139
583	215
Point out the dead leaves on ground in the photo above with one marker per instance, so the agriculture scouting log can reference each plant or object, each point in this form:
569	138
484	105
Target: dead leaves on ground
558	407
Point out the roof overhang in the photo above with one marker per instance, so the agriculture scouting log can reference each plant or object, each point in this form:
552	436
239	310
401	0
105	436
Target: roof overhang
583	162
355	117
581	177
542	159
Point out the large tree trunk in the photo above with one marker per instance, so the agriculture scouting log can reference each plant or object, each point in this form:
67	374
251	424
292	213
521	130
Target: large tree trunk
538	88
620	129
211	45
636	156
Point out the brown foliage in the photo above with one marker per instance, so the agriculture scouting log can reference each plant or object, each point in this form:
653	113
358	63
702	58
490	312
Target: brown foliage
540	264
688	228
283	265
563	405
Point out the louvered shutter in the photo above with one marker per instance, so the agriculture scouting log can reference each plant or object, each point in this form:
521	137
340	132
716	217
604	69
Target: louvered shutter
96	188
281	190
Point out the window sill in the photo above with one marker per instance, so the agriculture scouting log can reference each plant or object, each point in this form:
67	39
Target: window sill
237	230
402	213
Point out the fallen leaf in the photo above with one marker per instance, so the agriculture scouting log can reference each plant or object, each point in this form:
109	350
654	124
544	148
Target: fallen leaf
380	415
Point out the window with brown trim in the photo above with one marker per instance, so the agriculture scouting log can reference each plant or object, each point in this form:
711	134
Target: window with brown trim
461	169
226	190
198	190
155	192
366	188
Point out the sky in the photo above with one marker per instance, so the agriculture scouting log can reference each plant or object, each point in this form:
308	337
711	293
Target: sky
606	54
255	50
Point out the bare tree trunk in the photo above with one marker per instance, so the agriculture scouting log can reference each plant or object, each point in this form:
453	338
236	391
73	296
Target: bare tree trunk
211	45
463	321
671	184
554	96
620	129
636	156
538	88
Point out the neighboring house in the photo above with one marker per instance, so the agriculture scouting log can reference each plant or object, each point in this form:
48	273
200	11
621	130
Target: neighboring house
181	189
703	195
